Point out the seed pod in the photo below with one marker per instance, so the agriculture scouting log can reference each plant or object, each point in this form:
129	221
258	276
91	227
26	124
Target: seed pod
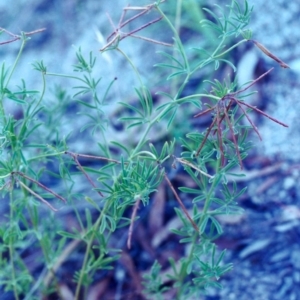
267	52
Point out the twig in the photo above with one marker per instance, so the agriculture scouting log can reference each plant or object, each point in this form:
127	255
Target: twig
263	113
206	136
75	157
18	37
140	28
60	260
180	202
185	162
130	230
151	40
234	139
117	35
36	195
93	157
41	185
230	95
250	121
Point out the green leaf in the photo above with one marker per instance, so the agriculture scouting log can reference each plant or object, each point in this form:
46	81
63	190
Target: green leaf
86	104
92	202
190	190
69	235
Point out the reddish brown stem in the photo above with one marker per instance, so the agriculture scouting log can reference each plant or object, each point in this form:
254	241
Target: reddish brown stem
18	37
180	202
41	185
204	112
206	136
36	195
250	121
261	112
251	84
234	139
219	133
74	156
140	28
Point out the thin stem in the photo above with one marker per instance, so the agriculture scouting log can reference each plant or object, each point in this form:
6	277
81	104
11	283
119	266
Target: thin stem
11	243
74	156
251	84
42	94
197	234
206	136
140	28
180	202
88	249
196	96
16	62
249	120
233	137
36	195
151	40
130	230
41	185
209	194
219	133
231	48
187	163
263	113
210	59
177	38
132	65
65	76
2	112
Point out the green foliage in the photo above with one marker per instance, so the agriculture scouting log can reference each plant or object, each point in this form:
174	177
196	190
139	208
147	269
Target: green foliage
130	175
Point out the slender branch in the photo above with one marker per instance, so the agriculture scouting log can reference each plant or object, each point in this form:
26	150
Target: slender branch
234	139
187	163
250	121
41	185
180	202
206	136
151	40
18	37
251	84
133	18
74	156
116	35
219	133
140	28
36	195
204	112
130	230
261	112
92	157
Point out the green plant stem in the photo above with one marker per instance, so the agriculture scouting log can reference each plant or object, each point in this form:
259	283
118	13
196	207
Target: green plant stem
183	271
2	111
88	249
177	28
184	266
215	55
210	192
42	94
65	76
231	48
177	38
180	100
11	243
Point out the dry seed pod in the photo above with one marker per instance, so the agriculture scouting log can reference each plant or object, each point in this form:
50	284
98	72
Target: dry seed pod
267	52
